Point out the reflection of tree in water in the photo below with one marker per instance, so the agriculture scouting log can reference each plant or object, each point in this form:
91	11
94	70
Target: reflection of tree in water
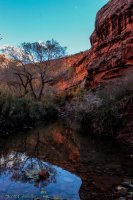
21	158
19	167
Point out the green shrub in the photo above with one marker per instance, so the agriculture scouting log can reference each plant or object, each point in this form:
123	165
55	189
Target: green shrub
17	113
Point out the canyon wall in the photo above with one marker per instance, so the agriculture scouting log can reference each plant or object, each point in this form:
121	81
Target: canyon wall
74	71
111	54
72	67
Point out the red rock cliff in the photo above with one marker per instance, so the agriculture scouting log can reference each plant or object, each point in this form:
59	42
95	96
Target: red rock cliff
75	71
111	54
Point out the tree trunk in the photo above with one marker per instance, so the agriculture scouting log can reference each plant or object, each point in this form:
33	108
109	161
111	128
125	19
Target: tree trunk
41	92
32	90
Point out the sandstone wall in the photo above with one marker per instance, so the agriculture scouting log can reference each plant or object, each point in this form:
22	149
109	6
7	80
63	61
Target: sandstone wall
112	43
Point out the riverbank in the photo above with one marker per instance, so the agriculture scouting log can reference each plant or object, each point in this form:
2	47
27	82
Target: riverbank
106	112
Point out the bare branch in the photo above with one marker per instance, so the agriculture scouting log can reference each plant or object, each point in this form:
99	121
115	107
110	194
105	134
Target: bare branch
34	64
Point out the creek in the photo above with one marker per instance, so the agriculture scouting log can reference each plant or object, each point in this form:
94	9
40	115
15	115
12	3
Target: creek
78	166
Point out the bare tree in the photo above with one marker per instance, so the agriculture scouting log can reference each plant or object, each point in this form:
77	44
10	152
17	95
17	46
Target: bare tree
33	65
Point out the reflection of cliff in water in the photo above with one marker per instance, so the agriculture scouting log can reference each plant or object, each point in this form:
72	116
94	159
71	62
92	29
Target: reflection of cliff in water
95	161
22	159
49	144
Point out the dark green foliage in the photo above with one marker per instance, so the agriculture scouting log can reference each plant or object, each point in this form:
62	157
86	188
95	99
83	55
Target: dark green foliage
106	119
17	113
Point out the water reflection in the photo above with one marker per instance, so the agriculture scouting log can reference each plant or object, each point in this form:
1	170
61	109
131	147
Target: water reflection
19	179
100	165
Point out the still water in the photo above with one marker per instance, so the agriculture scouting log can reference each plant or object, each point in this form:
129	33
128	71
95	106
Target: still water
77	166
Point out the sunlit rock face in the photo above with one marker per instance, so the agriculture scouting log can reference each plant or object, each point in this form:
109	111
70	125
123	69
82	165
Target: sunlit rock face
75	71
111	54
72	67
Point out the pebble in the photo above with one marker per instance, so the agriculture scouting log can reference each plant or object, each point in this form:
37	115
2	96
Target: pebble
122	198
131	185
128	185
121	191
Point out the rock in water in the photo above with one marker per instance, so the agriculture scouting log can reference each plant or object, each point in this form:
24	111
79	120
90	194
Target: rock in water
43	174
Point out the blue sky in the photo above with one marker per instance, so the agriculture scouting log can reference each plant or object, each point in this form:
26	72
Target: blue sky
70	22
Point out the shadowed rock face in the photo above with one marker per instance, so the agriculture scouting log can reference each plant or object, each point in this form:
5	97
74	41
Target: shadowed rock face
111	54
